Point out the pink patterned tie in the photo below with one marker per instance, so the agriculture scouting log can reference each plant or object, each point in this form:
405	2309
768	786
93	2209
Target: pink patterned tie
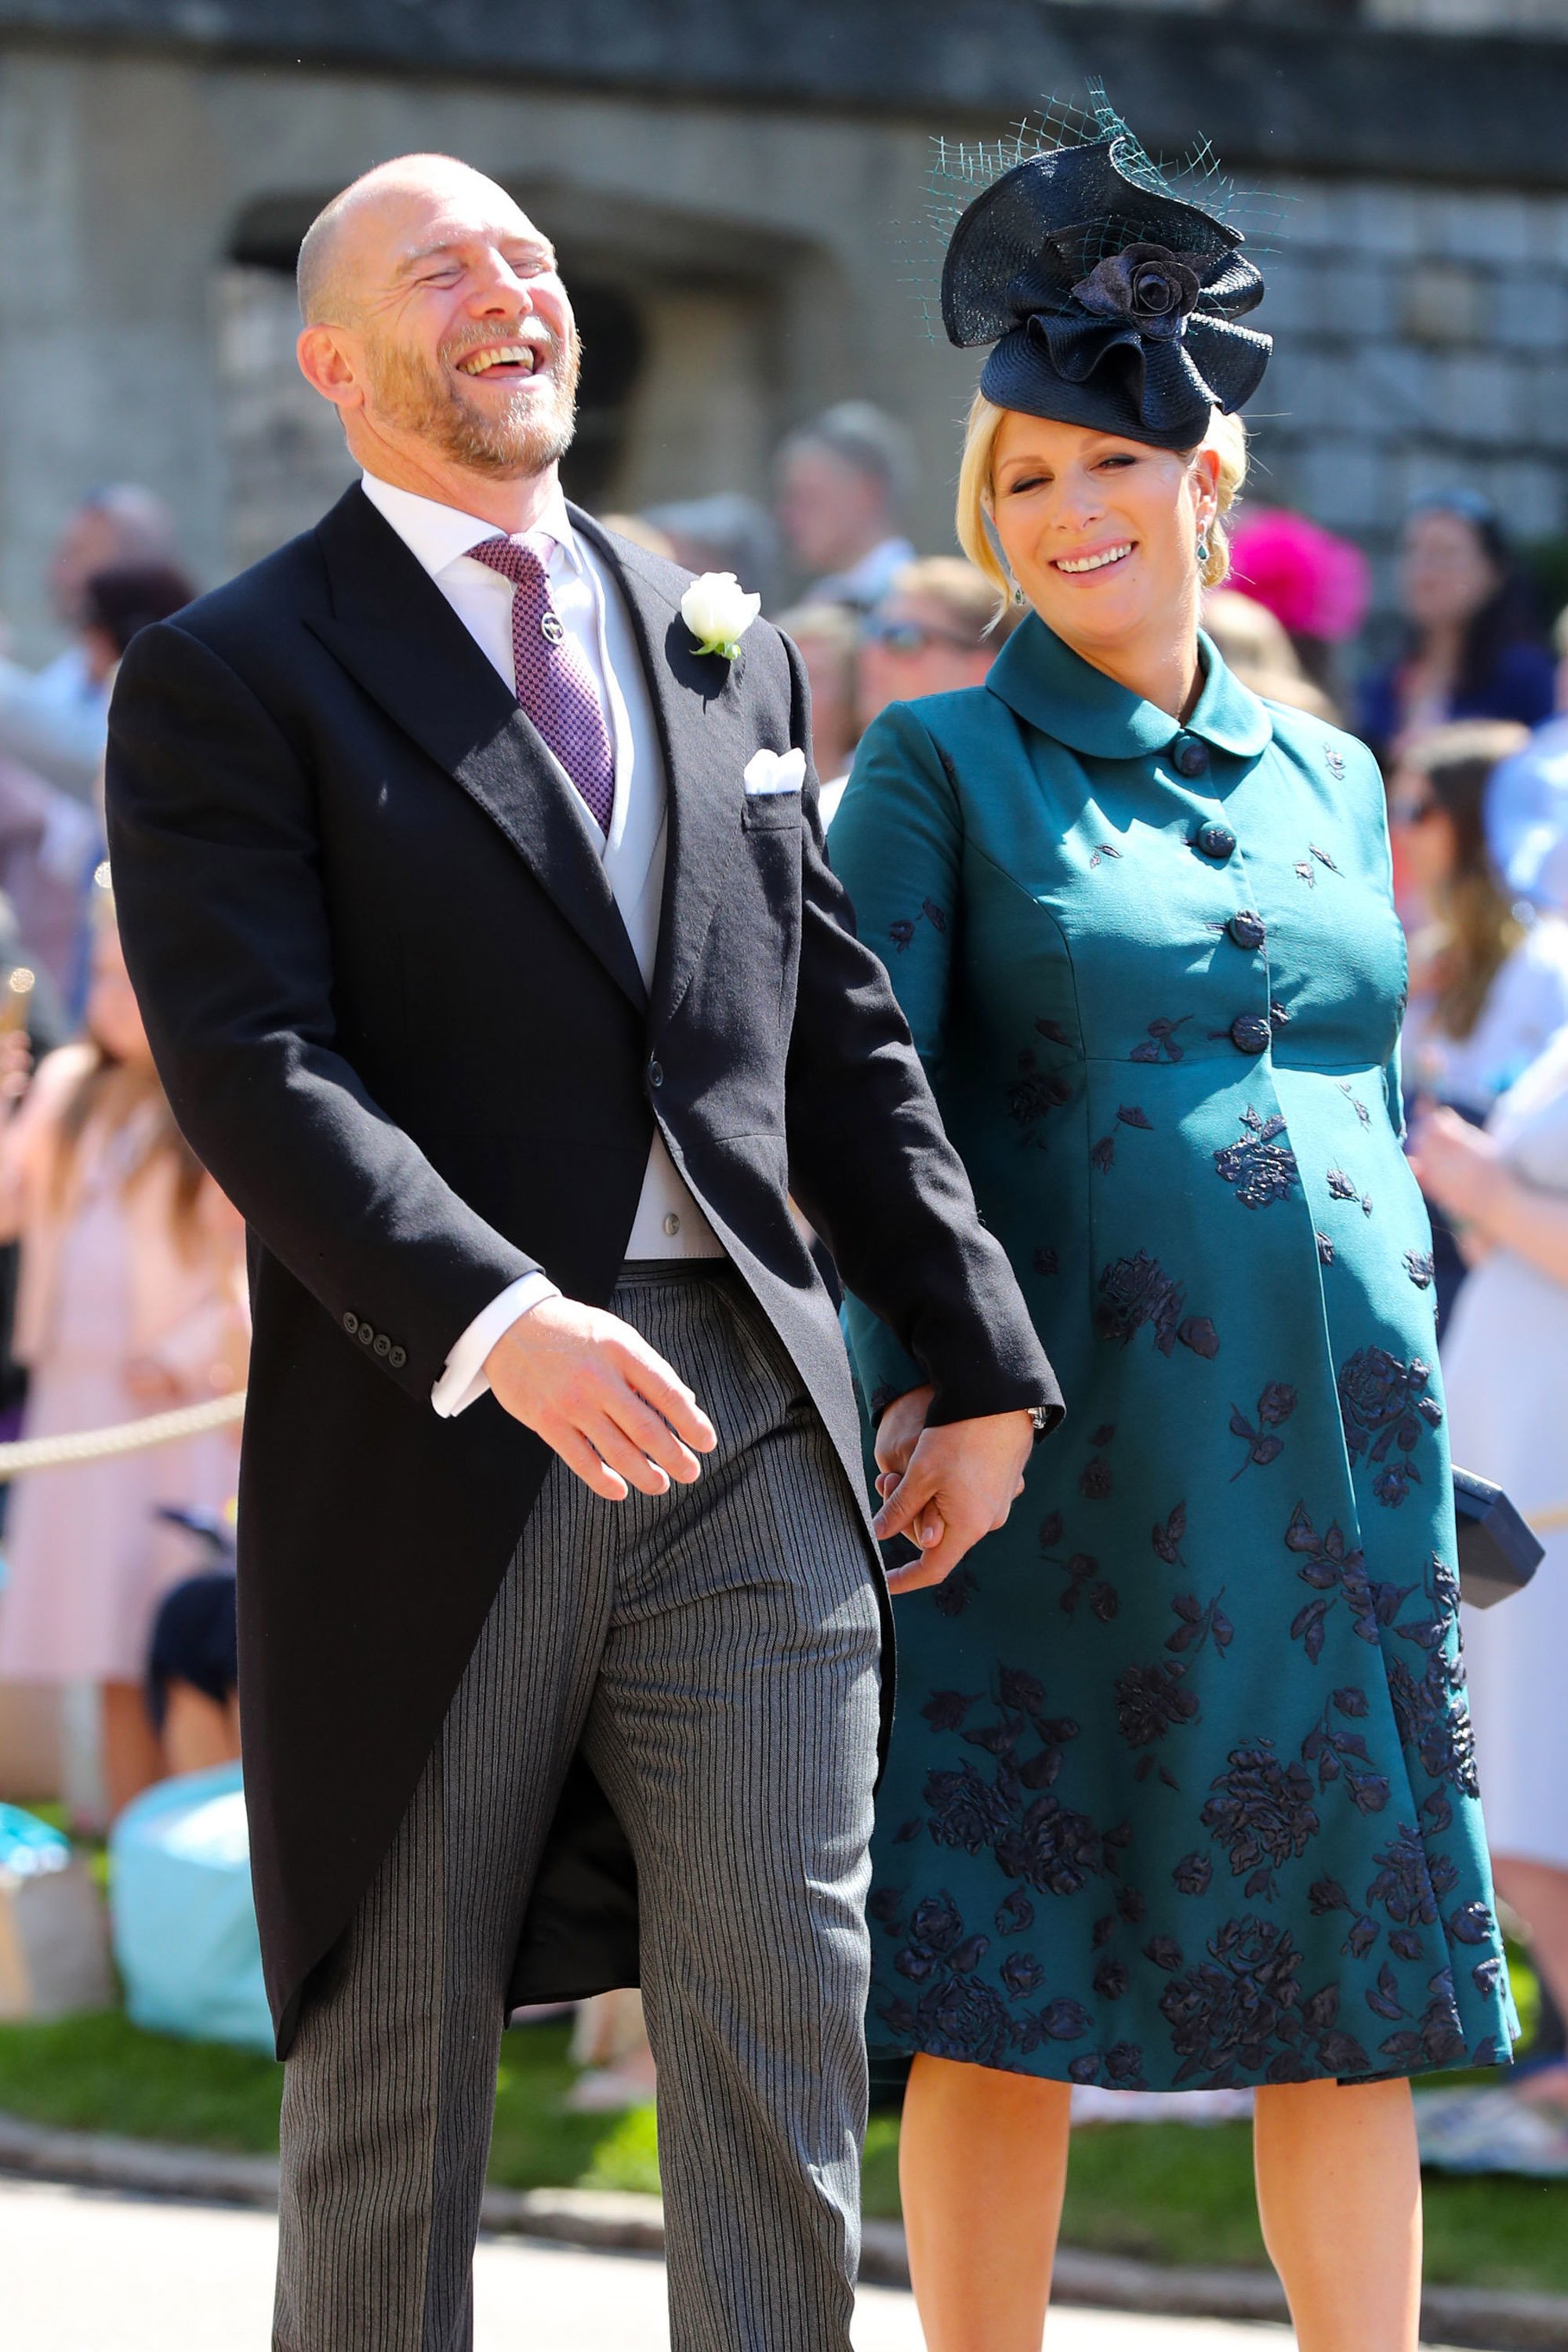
554	684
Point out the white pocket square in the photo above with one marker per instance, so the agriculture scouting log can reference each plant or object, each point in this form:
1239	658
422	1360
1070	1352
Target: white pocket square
775	772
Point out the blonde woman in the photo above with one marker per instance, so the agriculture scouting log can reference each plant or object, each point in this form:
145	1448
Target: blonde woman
1180	1790
131	1300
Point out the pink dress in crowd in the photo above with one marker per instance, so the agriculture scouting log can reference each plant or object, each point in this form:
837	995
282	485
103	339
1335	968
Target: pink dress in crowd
87	1557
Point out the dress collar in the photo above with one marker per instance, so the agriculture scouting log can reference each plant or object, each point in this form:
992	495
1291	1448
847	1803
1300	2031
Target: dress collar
438	535
1061	694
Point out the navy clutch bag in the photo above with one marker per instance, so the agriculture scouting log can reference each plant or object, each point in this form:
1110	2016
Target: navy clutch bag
1498	1552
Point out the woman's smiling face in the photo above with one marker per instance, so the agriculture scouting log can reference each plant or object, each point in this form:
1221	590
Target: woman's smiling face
1100	532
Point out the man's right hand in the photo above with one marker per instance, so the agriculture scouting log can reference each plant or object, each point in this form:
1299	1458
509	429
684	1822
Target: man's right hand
595	1391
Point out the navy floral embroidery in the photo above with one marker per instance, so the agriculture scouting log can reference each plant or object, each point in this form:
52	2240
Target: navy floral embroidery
1081	1569
1261	1168
952	1595
1340	1185
1159	1044
1385	1413
1119	2068
1401	1887
1192	1875
1430	1711
1151	1700
1337	1570
1094	1480
1341	1754
1325	1249
1261	1812
1420	1267
1275	1406
1137	1290
1240	2012
1355	1102
1033	1093
1167	1537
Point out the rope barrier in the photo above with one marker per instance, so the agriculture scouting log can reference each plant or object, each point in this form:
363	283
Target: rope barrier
1546	1523
122	1437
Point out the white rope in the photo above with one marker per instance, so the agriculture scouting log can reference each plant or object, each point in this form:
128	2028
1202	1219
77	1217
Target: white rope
122	1437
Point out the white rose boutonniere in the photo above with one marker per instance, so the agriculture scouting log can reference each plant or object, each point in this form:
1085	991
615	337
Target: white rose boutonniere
718	612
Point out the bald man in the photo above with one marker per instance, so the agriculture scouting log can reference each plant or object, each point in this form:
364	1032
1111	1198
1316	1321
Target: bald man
483	931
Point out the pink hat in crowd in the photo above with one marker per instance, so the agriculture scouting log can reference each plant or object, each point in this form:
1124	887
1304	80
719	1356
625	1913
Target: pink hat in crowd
1315	584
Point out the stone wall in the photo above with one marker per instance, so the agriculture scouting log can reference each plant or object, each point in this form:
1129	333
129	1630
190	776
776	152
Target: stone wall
147	199
1421	342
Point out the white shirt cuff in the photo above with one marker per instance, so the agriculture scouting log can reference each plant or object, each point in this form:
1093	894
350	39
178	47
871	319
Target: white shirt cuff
465	1379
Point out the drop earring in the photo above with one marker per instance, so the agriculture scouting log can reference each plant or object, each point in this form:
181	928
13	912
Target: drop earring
1017	593
1203	550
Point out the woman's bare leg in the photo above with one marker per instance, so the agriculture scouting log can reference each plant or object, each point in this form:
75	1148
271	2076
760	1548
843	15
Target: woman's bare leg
132	1759
1338	2196
983	2158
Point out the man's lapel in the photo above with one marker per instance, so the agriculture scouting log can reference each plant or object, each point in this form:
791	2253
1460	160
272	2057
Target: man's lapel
697	709
394	632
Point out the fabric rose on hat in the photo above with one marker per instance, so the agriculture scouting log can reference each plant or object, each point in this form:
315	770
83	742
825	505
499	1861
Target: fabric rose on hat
1148	285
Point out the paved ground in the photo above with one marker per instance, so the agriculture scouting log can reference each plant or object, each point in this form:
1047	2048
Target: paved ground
81	2271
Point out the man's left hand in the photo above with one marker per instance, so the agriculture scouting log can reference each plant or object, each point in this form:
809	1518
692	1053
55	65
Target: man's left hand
954	1485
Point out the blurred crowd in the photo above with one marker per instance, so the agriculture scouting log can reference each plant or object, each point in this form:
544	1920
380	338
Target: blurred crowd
121	1279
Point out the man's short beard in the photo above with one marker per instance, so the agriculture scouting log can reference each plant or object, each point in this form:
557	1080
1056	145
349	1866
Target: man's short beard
523	436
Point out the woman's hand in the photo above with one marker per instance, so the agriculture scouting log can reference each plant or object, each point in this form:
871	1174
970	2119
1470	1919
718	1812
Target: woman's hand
1459	1166
897	1435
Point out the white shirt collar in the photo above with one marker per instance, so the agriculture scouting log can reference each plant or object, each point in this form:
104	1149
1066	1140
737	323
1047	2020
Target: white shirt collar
439	536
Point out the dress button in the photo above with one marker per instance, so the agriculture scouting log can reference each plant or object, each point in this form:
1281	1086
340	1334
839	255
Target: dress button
350	1325
1250	1033
672	1224
656	1073
1215	841
1248	930
1189	756
397	1359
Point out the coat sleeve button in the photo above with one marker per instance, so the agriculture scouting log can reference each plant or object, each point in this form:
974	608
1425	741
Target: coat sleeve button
366	1336
1250	1033
350	1325
397	1358
382	1344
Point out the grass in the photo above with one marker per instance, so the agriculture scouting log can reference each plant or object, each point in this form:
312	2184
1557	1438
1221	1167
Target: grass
1162	2192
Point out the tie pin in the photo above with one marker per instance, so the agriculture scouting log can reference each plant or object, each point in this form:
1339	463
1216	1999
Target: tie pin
551	627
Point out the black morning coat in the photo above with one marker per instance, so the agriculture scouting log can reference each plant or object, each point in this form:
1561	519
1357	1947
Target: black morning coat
400	1020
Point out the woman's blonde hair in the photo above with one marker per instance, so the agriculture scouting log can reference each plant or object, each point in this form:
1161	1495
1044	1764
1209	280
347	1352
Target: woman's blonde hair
1226	436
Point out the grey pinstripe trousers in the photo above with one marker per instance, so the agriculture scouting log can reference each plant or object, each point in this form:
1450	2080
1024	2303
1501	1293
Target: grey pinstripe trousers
715	1652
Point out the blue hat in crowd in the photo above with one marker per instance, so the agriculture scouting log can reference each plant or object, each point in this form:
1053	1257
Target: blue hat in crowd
1109	299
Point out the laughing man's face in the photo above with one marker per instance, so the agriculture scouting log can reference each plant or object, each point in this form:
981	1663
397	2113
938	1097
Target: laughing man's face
465	334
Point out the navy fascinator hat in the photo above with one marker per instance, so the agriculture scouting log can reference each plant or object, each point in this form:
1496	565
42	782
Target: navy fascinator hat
1110	300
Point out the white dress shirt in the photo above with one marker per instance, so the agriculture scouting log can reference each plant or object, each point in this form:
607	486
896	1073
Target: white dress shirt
668	1223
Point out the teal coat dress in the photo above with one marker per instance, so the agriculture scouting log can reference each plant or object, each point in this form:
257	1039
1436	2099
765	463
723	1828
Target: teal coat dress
1182	1789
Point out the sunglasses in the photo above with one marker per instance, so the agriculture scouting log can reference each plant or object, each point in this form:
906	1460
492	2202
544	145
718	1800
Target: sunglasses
911	637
